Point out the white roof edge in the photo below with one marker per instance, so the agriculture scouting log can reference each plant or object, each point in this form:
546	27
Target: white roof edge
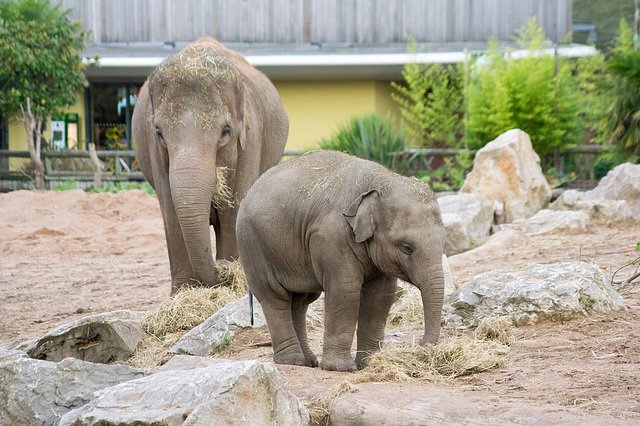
345	59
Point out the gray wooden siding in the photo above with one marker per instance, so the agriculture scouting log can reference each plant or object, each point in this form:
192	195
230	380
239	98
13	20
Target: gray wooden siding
303	21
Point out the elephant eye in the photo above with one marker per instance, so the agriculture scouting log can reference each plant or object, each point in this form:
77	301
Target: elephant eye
406	248
159	133
226	131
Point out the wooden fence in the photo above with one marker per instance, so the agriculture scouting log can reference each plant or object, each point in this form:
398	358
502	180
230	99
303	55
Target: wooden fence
121	165
316	21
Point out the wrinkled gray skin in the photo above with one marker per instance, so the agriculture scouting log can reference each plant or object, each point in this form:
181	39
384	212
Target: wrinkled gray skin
349	227
217	111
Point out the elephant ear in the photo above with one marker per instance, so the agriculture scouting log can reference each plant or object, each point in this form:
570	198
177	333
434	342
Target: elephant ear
359	215
241	112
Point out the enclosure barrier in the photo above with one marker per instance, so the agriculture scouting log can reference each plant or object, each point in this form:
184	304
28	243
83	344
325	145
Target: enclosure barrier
121	165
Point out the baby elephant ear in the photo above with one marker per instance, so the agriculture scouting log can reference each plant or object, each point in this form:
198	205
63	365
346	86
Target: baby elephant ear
360	215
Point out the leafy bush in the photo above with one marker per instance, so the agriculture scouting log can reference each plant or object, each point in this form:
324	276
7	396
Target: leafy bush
371	137
530	93
431	102
124	186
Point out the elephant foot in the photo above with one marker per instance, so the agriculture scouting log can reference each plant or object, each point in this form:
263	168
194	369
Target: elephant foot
338	363
311	360
362	359
291	359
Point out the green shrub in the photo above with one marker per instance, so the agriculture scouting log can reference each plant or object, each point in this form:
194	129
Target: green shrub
526	93
371	137
431	102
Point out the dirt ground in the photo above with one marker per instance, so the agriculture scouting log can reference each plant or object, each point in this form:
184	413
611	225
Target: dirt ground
64	255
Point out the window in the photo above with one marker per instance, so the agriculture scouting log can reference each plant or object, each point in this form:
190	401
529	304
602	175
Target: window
112	108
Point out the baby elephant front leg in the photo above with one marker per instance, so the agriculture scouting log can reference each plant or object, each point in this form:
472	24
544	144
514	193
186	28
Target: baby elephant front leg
341	315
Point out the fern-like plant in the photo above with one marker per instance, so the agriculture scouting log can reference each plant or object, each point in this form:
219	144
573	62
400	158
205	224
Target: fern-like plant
372	137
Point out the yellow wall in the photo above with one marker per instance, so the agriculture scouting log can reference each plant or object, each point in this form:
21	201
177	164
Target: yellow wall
18	135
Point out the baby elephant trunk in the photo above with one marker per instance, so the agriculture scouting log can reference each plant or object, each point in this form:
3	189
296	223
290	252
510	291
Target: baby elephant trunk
192	190
431	286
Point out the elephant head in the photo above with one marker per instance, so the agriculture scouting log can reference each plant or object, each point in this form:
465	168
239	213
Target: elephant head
198	119
404	237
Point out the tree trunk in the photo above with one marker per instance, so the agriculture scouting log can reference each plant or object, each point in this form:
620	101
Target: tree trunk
97	167
33	127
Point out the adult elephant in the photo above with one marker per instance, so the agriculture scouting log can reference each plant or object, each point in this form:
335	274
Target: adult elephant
203	111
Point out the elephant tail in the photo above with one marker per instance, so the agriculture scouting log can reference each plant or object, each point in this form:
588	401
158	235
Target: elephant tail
251	306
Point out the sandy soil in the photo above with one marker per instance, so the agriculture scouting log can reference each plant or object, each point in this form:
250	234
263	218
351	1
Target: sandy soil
66	254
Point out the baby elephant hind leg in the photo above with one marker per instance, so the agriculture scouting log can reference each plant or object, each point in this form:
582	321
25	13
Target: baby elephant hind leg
299	305
277	312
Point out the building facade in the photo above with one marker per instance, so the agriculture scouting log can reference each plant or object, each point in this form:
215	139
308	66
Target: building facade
330	60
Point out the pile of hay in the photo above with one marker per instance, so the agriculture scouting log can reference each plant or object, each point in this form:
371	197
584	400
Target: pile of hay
496	328
451	357
407	310
187	309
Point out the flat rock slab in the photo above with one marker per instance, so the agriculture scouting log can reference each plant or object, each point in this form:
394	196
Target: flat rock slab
548	221
560	290
103	338
222	326
231	392
596	208
475	212
408	404
35	392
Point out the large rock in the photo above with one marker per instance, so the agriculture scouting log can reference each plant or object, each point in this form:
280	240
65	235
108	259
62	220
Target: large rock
508	170
457	238
474	210
548	221
104	338
561	290
621	183
35	392
596	208
229	392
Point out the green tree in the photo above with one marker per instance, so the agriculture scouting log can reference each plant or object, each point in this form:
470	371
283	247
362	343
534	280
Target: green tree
535	93
430	101
41	70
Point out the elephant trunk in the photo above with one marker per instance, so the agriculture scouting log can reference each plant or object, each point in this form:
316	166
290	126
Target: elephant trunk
431	287
192	191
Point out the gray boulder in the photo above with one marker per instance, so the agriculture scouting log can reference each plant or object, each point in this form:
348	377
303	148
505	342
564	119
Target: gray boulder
457	239
35	392
474	210
621	183
547	221
596	208
555	291
229	392
103	338
507	170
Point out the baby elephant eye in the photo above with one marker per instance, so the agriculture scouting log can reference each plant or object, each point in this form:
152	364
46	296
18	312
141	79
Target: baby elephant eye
226	131
158	132
406	248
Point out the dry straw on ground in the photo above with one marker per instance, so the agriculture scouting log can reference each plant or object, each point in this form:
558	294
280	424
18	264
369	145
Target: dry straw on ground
187	309
407	311
496	328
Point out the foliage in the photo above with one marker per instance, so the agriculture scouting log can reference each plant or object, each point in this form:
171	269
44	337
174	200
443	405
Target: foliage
591	75
371	137
526	93
68	186
623	123
40	51
451	174
124	186
41	68
430	101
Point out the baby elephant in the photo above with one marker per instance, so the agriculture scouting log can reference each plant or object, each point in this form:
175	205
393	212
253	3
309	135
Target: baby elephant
331	222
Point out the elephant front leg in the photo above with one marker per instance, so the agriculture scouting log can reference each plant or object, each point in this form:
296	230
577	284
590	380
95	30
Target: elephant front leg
226	242
377	297
342	302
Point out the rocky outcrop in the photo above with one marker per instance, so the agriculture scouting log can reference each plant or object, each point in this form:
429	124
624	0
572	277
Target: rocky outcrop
457	238
35	392
561	290
507	170
547	221
229	392
617	196
107	337
219	328
475	212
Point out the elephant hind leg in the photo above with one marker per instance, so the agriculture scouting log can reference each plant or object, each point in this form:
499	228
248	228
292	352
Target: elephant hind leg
299	305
